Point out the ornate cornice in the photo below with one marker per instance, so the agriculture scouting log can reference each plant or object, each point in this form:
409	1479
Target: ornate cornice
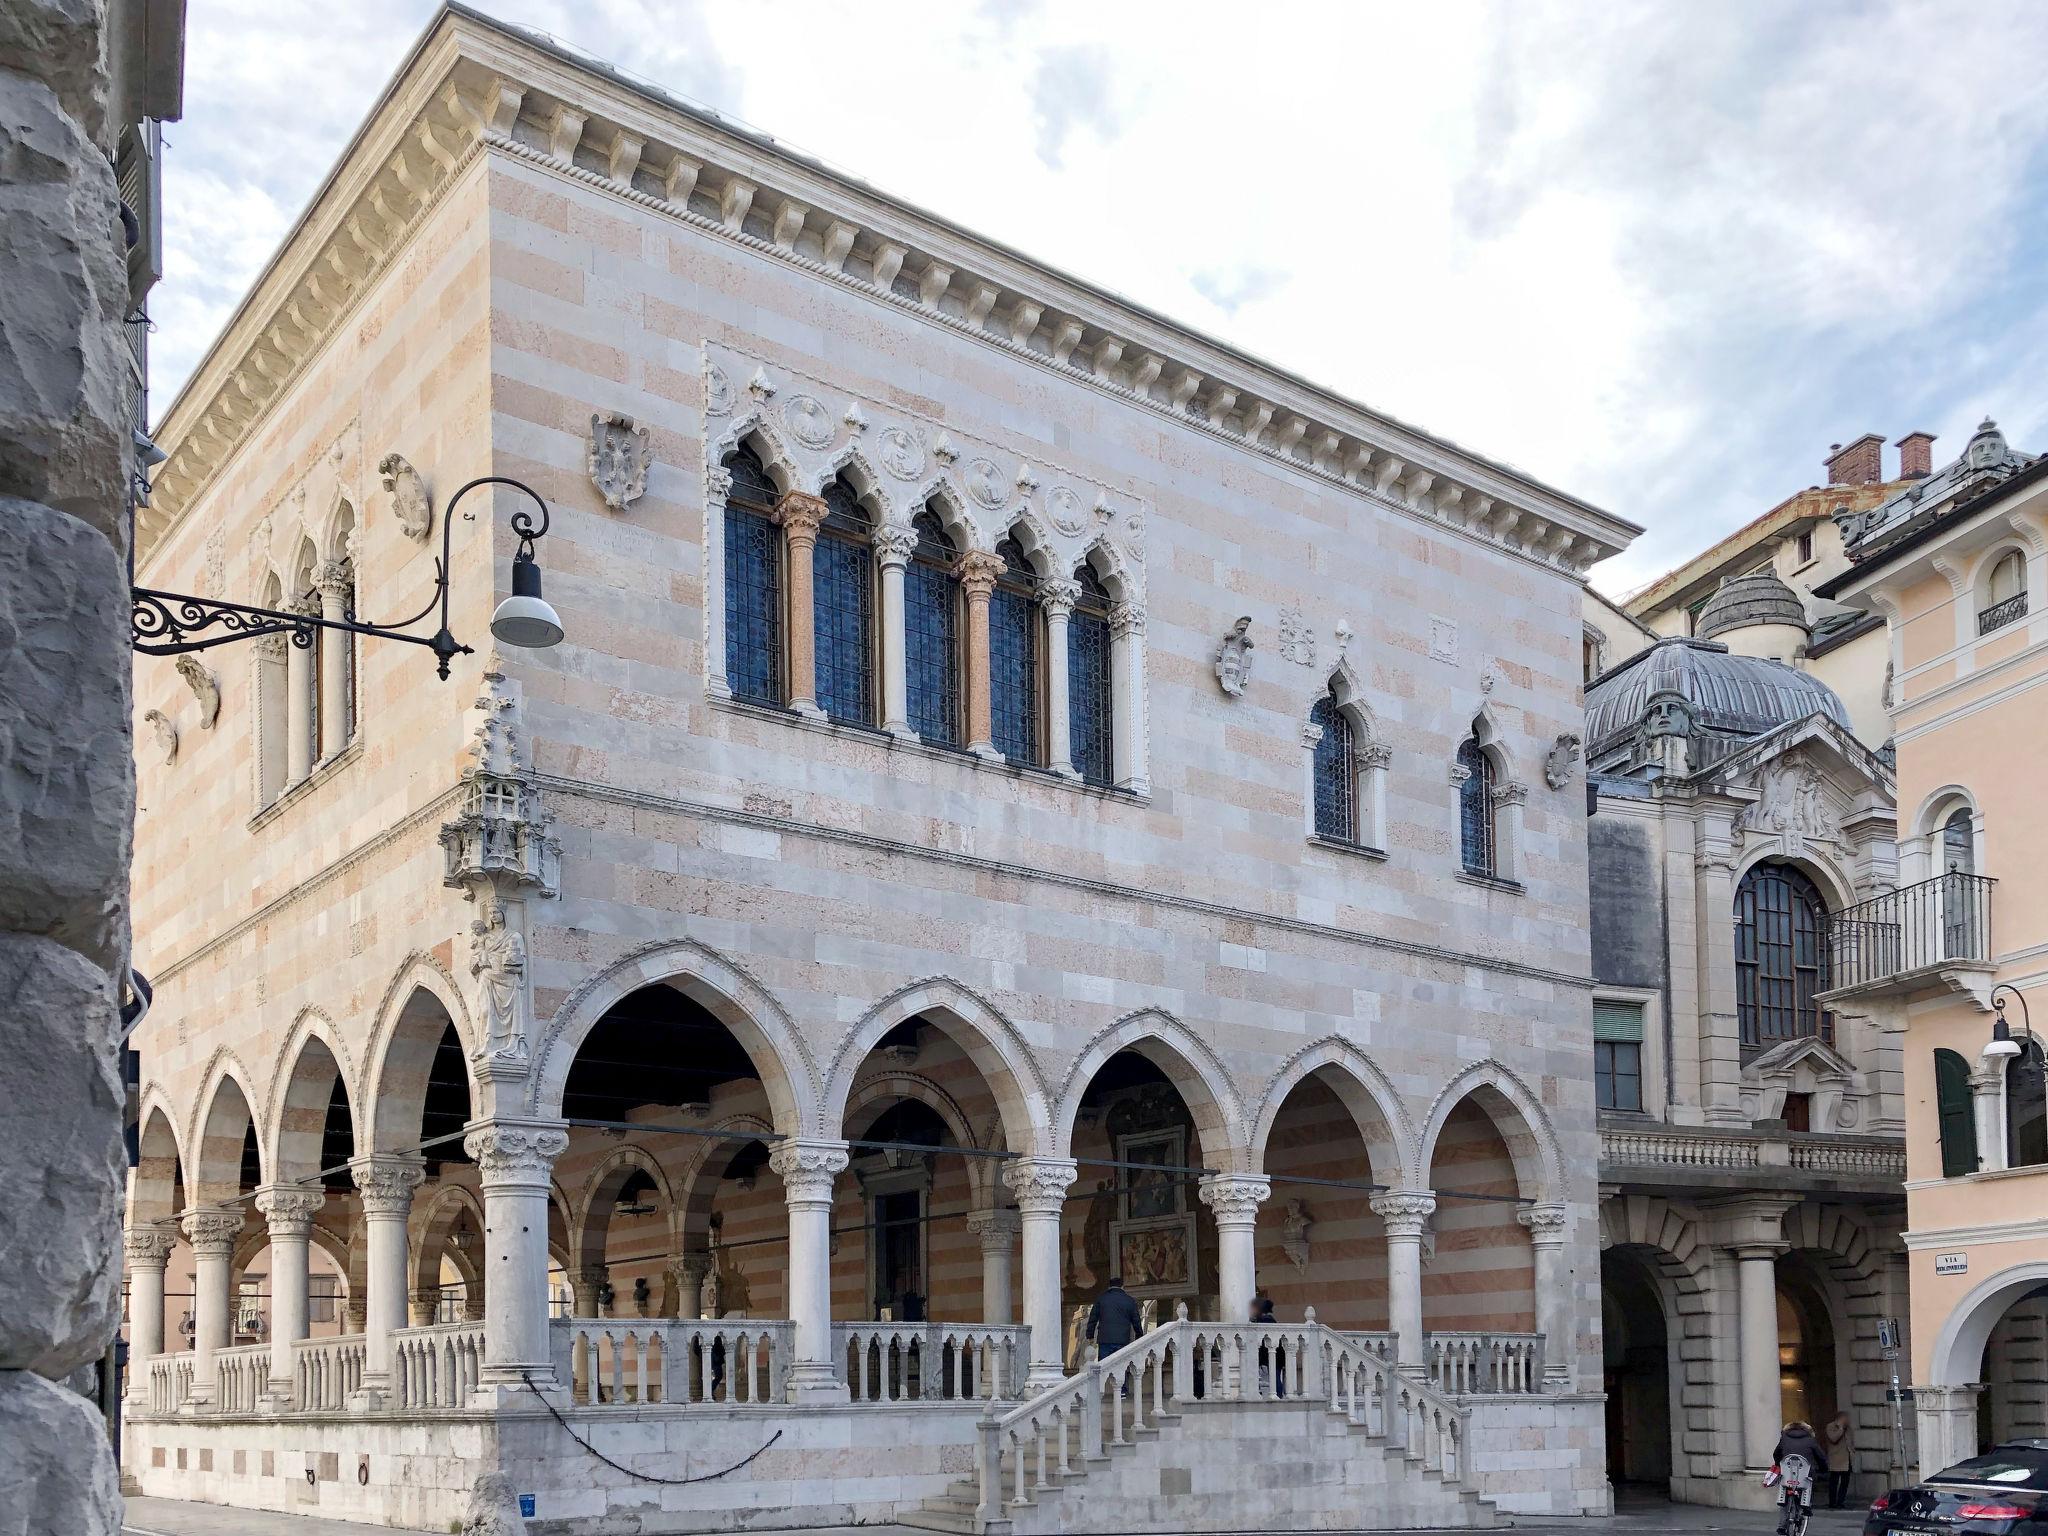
473	84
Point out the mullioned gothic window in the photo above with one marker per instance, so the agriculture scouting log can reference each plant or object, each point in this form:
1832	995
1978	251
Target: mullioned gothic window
842	596
753	582
931	633
1091	731
1478	844
1336	778
1013	666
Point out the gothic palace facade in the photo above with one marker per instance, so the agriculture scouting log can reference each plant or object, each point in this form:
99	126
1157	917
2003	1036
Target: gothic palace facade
1028	794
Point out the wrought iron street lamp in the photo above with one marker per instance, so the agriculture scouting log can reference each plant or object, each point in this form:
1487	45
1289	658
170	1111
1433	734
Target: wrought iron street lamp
2004	1047
169	623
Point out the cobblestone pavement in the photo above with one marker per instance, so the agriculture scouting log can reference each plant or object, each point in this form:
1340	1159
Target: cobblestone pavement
170	1517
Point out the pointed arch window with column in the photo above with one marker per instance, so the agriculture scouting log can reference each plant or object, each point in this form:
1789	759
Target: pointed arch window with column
1091	702
753	582
931	633
1015	705
842	593
1478	840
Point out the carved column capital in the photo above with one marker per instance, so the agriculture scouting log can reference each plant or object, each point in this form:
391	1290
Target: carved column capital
893	544
808	1169
978	571
271	648
288	1209
718	481
1511	794
1235	1197
1057	597
1459	774
1039	1183
997	1228
149	1247
334	578
801	514
516	1152
386	1182
1547	1222
1126	619
1404	1212
212	1234
1375	754
1311	733
690	1269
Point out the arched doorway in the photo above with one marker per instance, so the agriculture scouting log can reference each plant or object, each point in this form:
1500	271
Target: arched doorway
1809	1378
1320	1244
1636	1371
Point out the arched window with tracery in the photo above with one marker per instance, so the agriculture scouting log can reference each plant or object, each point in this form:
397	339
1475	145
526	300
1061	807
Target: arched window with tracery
1091	715
931	633
1478	844
1336	774
1780	961
843	600
1013	684
753	582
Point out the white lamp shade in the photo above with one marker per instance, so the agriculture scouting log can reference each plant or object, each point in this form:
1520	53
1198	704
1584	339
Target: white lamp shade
528	622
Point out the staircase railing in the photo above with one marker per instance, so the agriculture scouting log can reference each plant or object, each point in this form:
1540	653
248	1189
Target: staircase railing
1465	1364
1120	1396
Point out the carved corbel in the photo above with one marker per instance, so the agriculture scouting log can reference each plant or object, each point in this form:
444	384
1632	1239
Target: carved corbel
888	263
1024	320
430	140
839	237
1324	454
1147	372
1184	389
1221	404
1108	353
565	133
623	158
1065	337
1385	473
680	179
1257	419
789	223
1418	487
981	299
933	282
734	201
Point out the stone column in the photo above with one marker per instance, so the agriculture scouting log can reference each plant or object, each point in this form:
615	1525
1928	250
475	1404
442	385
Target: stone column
997	1230
212	1236
1235	1199
586	1299
978	571
807	1170
1127	694
514	1159
1040	1185
1948	1425
893	545
1714	938
1373	759
1753	1231
800	515
1057	598
1405	1214
689	1272
385	1182
298	705
334	581
288	1210
1987	1105
1549	1224
149	1250
424	1305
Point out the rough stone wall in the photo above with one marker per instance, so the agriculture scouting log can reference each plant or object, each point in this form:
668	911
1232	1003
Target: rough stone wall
66	782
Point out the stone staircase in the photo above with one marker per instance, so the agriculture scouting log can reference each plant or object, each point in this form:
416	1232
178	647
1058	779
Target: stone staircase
1187	1430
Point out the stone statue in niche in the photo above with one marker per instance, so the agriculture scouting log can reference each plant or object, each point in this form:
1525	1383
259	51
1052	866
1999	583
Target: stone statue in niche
408	493
1557	763
166	731
205	688
1294	1225
1297	640
1234	658
617	459
498	961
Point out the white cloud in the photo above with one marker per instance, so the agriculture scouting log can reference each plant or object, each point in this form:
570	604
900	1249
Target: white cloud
1660	256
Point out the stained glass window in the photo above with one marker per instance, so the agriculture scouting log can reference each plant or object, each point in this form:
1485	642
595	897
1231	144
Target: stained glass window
1013	657
1091	729
1779	962
842	597
753	583
1475	808
931	628
1336	775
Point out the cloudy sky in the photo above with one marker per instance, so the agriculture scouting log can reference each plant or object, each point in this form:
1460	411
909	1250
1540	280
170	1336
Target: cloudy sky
1659	255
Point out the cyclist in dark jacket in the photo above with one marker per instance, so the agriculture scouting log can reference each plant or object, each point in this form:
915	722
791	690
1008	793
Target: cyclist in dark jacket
1114	1320
1797	1439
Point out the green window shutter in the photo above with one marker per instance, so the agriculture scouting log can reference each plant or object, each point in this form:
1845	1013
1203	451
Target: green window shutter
1618	1022
1958	1117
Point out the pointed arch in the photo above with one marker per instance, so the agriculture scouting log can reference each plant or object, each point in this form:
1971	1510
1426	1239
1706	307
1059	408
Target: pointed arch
332	534
1112	569
160	1163
886	1088
433	1223
998	1051
1517	1114
943	497
1494	739
221	1125
763	1029
694	1208
753	431
1347	689
420	1004
295	1121
602	1188
868	485
1189	1063
1036	540
1364	1090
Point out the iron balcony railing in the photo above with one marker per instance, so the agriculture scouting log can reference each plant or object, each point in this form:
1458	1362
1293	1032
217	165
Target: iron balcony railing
1998	615
1913	928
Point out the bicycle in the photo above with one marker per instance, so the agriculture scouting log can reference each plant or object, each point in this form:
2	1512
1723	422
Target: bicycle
1793	1478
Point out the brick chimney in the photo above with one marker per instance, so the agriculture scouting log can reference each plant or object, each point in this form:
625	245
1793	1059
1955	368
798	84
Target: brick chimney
1859	463
1916	455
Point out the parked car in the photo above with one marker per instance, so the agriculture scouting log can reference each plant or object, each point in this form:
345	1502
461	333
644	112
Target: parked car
1995	1494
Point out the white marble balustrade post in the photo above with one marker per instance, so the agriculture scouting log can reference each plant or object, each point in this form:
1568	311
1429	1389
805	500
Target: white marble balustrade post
288	1210
1040	1185
149	1251
1235	1199
808	1170
212	1236
1405	1214
1549	1224
385	1183
514	1159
